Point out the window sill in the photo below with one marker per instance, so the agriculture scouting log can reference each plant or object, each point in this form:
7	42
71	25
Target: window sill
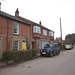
16	34
37	32
44	35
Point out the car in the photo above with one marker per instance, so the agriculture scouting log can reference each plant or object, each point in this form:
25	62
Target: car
68	47
50	50
72	46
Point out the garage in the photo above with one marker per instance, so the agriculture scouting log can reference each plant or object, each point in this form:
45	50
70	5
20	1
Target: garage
44	42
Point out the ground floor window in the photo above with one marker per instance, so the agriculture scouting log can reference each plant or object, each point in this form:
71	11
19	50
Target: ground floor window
15	45
44	42
38	44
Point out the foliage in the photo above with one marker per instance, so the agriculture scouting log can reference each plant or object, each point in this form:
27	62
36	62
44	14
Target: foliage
68	41
28	45
19	55
70	38
34	52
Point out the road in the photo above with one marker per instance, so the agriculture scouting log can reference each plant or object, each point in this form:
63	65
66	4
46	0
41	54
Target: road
63	64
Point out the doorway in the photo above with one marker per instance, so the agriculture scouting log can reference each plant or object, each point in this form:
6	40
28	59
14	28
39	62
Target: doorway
0	47
23	45
33	45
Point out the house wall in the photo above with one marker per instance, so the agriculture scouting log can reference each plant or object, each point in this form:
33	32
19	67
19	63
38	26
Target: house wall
24	33
42	38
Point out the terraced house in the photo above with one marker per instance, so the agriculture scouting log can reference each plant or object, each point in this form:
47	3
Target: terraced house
18	33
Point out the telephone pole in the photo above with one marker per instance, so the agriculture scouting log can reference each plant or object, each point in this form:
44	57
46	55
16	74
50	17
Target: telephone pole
61	30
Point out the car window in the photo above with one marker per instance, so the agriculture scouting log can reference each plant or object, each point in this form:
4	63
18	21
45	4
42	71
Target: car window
55	45
47	45
51	45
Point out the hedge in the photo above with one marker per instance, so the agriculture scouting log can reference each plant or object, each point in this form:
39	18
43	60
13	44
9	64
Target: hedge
19	55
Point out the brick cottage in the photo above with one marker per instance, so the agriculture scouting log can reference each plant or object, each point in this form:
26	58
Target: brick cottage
18	33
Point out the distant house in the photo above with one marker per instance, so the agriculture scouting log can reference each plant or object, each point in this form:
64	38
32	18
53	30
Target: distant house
58	39
15	30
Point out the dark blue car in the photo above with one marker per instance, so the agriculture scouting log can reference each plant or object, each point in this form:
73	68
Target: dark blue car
50	50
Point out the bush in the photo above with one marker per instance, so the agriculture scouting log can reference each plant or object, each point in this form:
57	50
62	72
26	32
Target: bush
19	55
34	52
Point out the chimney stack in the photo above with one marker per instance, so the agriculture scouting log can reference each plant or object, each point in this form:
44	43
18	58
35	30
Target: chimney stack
17	12
0	6
40	22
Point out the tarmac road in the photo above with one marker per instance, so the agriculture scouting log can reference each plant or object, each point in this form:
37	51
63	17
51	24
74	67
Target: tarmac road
63	64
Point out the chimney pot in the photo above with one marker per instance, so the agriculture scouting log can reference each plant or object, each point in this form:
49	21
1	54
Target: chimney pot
0	6
40	22
17	12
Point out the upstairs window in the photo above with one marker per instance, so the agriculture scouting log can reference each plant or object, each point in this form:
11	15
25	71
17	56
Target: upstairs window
50	33
16	28
44	32
36	29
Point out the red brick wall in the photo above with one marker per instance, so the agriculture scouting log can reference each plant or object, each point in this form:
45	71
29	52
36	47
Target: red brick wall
24	32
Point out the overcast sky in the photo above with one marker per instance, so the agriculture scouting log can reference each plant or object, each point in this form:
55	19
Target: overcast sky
48	11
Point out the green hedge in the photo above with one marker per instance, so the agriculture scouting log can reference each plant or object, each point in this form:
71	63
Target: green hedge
19	55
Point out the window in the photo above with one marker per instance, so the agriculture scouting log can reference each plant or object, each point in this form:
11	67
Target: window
44	32
36	29
16	45
16	28
38	44
50	33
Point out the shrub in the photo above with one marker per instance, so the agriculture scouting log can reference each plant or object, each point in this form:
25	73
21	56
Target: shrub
34	52
18	55
7	55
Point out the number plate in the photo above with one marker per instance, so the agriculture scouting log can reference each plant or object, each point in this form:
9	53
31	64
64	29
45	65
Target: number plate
43	52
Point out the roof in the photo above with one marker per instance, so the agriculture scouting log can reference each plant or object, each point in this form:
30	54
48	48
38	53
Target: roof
33	23
22	20
12	17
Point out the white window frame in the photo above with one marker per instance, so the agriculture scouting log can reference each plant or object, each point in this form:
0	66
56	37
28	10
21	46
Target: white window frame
44	32
15	45
51	33
17	29
36	29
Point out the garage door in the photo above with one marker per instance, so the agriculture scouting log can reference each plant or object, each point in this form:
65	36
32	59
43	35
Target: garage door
43	43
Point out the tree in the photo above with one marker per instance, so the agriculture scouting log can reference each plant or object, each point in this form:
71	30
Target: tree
70	38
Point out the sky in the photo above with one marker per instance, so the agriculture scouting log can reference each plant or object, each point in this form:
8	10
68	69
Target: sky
48	11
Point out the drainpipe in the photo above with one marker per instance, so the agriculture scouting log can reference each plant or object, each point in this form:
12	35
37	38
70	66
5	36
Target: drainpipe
7	34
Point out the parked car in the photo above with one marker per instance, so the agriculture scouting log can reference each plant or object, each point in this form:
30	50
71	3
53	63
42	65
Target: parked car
68	47
50	50
73	46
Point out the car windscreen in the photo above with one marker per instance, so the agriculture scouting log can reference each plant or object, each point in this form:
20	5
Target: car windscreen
55	45
46	46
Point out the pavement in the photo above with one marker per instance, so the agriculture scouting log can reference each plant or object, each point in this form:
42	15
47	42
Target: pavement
2	64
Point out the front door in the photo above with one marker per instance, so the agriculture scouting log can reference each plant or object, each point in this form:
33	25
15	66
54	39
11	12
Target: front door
33	45
24	45
0	47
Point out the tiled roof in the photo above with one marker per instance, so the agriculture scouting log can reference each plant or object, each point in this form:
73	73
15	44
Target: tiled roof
33	23
12	17
22	20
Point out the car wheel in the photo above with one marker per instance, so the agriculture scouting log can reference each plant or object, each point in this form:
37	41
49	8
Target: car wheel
41	55
54	53
51	54
58	52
